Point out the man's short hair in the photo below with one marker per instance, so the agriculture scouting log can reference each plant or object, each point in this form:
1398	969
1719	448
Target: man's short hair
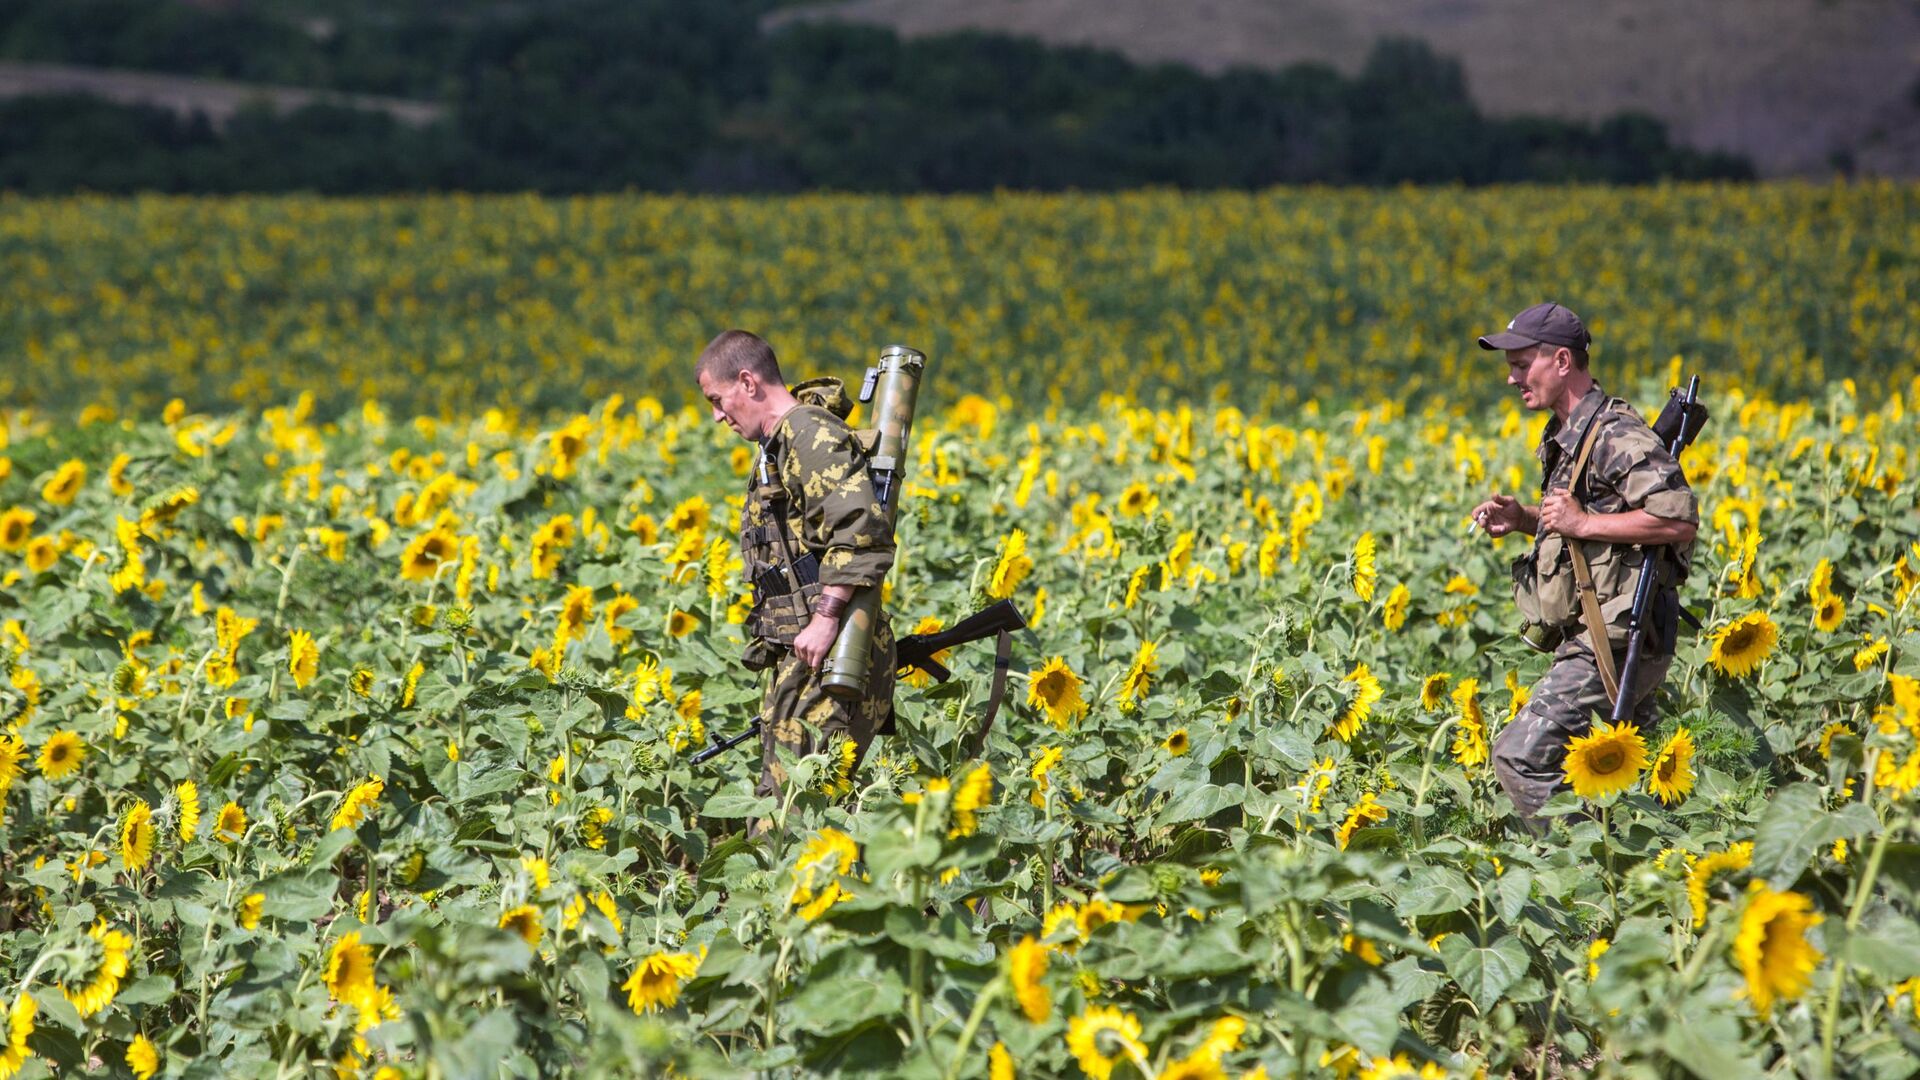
735	351
1548	348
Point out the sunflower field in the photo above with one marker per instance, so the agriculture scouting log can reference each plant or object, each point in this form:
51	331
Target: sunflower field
367	581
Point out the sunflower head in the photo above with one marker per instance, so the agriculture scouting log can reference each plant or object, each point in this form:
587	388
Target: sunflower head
61	755
1607	760
524	921
680	623
1740	646
1102	1037
1055	691
1828	613
1671	778
1772	947
1177	743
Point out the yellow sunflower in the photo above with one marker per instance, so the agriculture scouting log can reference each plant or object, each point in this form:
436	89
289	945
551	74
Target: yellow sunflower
1740	646
974	793
1137	500
16	528
136	835
14	1054
42	553
680	623
999	1063
1772	948
357	804
1103	1037
1365	693
1055	691
61	755
655	983
525	921
829	854
303	659
427	553
1139	676
231	825
1433	690
248	913
1366	810
1366	571
65	483
1706	868
1605	761
1026	966
13	751
143	1057
1011	568
1393	615
1177	743
108	954
1828	613
1671	778
1042	766
349	972
617	609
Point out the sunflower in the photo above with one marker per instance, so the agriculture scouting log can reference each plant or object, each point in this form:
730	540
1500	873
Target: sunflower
525	921
13	751
1740	646
1772	948
1366	692
1101	1038
1706	868
1139	676
1012	566
1820	582
680	623
1605	761
61	755
656	982
303	659
13	1050
543	552
109	967
231	825
1671	778
357	804
1828	613
593	826
1026	966
822	860
1042	766
248	913
1433	691
143	1057
974	793
1870	653
999	1063
42	553
1177	743
360	682
1366	810
1393	615
692	514
427	553
928	624
349	973
1055	691
410	685
616	609
1137	500
16	528
1366	572
65	483
136	835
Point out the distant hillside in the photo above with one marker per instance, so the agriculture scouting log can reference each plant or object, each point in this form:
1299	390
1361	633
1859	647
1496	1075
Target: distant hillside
1793	85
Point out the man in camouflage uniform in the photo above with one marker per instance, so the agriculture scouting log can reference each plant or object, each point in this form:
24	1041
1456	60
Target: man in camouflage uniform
1632	502
811	532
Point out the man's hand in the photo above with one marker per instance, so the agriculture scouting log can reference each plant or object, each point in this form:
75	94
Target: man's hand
816	641
1560	513
1502	514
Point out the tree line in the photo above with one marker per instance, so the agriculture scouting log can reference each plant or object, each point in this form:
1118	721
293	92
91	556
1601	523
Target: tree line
599	95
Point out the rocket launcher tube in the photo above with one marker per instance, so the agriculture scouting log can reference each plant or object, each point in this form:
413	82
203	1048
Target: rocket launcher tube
896	389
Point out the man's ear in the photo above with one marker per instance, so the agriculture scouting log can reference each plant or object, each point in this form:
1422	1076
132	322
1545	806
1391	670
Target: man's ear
1563	359
750	382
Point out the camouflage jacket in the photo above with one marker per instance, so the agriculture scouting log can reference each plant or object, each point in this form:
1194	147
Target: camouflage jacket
811	476
1627	469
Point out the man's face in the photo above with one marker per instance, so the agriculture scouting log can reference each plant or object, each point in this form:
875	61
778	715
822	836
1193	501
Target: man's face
1535	371
737	403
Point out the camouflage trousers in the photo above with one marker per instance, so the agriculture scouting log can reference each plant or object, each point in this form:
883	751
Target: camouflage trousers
1529	755
798	715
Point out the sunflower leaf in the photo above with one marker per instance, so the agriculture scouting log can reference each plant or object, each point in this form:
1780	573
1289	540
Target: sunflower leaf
1795	825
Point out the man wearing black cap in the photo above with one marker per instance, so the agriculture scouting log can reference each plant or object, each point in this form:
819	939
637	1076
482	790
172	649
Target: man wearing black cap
1611	496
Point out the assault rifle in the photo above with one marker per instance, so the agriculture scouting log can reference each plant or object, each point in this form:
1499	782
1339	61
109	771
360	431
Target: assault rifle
917	651
1677	426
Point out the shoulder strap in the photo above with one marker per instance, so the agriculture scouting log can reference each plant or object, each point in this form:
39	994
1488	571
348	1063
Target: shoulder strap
1590	611
779	524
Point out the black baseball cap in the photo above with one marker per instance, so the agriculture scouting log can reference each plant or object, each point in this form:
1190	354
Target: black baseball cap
1549	323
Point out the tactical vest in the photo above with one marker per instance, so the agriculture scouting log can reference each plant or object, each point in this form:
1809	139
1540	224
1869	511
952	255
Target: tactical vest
785	576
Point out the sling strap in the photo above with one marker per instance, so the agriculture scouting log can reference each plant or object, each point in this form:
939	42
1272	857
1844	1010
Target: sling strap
1590	611
1002	661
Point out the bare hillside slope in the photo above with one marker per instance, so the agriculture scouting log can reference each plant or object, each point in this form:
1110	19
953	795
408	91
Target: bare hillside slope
1789	83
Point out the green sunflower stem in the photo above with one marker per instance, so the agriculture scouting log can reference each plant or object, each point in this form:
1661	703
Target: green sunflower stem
972	1028
1830	1019
1426	774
